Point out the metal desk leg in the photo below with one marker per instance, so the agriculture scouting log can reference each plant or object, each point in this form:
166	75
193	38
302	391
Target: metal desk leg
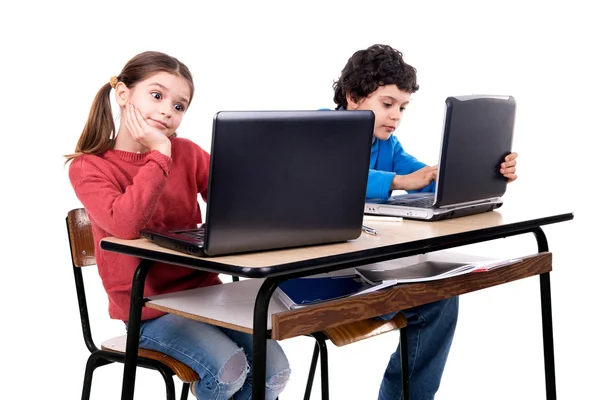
133	328
259	337
547	321
321	340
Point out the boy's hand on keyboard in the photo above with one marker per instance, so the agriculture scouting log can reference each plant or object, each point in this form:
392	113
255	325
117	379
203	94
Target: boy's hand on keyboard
416	180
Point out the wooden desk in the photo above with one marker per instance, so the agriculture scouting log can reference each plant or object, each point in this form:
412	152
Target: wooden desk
395	240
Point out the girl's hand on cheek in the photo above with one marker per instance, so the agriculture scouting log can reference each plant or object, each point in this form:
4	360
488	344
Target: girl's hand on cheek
149	137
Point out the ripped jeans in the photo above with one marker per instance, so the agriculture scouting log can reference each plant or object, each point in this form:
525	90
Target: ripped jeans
221	357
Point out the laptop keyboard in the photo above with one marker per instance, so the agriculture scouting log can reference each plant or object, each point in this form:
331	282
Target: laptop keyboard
425	202
197	234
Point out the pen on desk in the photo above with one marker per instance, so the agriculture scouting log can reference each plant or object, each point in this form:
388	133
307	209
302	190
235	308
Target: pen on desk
369	230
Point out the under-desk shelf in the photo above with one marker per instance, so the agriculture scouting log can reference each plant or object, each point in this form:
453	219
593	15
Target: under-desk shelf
222	306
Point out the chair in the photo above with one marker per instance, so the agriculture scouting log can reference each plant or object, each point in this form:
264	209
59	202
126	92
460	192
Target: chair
113	350
350	333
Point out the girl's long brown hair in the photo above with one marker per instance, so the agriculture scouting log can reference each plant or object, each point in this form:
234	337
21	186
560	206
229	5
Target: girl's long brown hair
99	131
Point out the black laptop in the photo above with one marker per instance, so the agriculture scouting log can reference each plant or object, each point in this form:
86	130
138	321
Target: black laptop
477	136
281	179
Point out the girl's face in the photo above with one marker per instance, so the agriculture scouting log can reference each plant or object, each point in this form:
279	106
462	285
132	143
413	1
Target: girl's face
388	103
162	99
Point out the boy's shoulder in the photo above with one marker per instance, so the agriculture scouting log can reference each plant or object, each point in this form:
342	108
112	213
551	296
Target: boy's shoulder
392	142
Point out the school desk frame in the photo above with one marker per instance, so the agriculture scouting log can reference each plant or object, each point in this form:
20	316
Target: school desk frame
427	238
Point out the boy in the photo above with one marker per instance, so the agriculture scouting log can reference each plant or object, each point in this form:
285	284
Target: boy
379	80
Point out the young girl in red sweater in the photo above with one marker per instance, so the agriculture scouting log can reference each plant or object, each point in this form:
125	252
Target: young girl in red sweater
142	176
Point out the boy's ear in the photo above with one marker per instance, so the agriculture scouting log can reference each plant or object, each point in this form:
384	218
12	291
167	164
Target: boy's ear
352	105
122	94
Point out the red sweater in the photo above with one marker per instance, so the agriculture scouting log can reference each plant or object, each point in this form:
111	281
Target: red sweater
124	192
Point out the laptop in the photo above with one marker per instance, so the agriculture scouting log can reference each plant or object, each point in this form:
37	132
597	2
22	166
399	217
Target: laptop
280	179
477	136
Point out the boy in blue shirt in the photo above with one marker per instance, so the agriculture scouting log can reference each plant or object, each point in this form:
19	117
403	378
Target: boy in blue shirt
379	80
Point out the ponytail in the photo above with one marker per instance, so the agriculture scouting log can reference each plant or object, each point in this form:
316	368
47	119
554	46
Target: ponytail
99	132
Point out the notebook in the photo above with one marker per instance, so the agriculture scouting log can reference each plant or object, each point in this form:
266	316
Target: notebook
302	292
477	136
280	179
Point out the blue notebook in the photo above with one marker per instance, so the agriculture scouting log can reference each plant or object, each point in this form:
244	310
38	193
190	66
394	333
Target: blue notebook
300	292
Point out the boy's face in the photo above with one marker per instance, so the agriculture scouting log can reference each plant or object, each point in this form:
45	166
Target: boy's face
388	103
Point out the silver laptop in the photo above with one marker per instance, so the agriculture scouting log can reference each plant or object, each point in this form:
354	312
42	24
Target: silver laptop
478	134
280	179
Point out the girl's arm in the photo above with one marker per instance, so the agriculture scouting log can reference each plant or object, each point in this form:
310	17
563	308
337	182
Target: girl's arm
121	212
202	168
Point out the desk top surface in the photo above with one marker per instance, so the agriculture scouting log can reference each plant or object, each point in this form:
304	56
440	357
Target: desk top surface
394	239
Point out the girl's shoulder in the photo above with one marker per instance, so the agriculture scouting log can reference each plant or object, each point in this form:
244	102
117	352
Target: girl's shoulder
182	146
86	165
86	160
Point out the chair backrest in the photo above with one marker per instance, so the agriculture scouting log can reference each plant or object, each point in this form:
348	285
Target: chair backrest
80	238
81	242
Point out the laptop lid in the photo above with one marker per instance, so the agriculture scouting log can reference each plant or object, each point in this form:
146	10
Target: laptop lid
478	134
286	178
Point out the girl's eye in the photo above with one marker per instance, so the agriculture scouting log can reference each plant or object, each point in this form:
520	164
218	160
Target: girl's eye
402	109
179	107
156	95
387	105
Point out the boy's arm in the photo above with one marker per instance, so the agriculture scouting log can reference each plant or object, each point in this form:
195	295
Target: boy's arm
379	183
405	164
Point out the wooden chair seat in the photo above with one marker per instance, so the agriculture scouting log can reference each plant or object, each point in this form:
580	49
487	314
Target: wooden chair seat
350	333
355	331
183	372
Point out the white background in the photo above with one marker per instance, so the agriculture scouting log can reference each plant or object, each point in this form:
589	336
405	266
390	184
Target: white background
280	55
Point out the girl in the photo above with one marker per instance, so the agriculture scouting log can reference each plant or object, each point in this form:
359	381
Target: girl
143	176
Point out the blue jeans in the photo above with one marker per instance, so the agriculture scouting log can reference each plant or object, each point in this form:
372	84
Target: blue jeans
429	332
221	357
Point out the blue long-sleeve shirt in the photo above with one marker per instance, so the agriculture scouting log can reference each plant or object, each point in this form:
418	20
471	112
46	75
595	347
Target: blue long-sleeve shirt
388	159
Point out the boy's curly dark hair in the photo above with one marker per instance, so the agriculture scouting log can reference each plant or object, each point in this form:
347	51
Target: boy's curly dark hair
366	70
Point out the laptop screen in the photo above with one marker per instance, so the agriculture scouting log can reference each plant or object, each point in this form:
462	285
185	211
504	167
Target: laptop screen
478	134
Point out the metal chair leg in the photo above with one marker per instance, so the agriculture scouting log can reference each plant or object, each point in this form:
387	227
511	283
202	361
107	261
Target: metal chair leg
169	384
311	372
185	390
92	363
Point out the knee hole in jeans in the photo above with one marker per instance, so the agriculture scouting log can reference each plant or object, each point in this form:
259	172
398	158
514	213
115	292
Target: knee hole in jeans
278	381
235	368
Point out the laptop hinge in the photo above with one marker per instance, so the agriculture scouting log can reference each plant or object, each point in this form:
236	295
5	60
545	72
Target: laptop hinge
469	203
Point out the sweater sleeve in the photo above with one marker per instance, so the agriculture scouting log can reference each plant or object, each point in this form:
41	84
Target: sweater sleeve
202	168
121	212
